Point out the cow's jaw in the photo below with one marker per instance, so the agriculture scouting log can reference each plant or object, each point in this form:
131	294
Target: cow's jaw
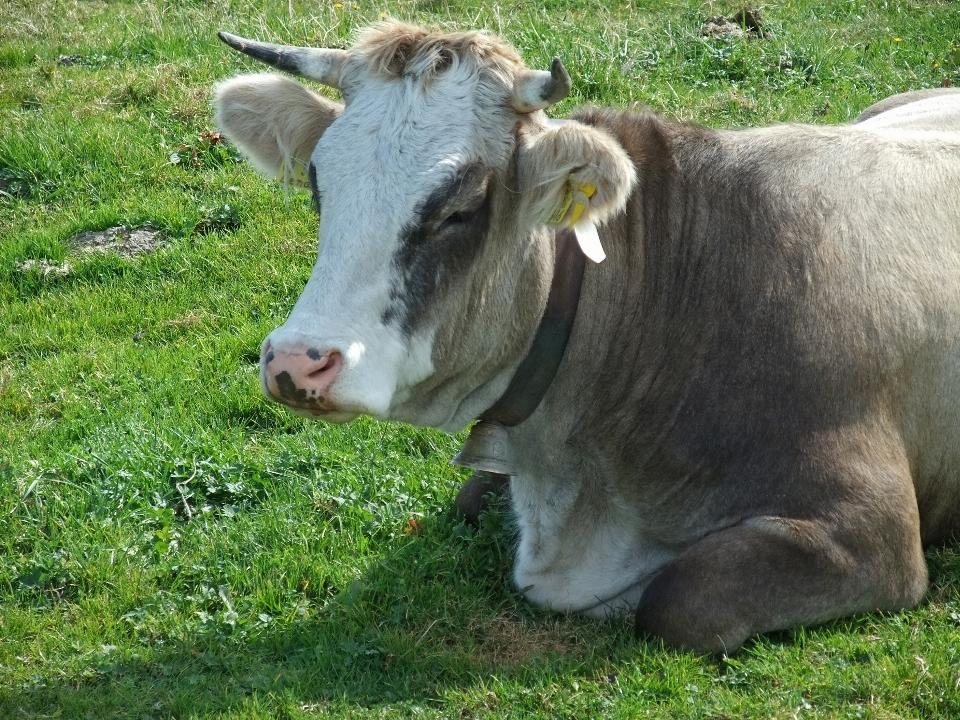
373	170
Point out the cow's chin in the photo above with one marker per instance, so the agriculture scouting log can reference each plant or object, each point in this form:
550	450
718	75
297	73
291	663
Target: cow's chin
448	418
439	418
593	601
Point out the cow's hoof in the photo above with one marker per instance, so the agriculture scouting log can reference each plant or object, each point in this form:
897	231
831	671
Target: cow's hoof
475	495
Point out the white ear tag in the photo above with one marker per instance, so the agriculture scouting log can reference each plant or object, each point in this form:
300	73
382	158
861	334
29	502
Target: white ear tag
572	208
589	240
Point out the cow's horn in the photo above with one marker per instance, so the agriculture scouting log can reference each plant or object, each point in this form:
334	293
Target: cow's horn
538	89
320	64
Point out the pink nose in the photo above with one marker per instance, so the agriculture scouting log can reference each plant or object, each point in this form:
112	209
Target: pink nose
300	376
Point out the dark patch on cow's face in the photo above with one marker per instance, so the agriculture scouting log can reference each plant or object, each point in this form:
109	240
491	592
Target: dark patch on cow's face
313	354
290	392
440	244
295	395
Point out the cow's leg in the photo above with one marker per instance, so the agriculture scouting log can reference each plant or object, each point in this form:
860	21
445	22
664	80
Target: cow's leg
473	496
770	573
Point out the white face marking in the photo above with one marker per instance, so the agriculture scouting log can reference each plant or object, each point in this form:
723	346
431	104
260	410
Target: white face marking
394	144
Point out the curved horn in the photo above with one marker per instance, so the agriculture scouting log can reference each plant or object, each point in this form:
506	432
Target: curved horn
538	89
320	64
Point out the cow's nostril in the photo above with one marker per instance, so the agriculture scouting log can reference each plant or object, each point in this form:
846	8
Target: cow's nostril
301	376
266	352
330	362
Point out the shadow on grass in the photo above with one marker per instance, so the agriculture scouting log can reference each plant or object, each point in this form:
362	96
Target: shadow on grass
430	621
433	623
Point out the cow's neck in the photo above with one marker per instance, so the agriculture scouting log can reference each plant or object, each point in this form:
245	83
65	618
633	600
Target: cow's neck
487	447
640	333
595	406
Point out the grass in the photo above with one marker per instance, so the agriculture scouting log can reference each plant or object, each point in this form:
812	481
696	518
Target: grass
172	545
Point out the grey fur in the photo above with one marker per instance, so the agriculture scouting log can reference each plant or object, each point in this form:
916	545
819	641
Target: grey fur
763	377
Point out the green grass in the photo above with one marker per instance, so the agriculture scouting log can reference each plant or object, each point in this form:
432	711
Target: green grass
172	545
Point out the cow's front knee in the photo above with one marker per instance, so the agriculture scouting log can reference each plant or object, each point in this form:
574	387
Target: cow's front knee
771	574
474	496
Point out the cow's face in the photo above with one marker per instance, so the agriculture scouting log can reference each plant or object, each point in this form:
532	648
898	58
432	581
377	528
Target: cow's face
433	182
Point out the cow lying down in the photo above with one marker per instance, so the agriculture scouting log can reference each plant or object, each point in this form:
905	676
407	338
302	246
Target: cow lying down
755	423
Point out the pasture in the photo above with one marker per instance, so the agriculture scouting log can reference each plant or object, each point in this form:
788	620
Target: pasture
173	545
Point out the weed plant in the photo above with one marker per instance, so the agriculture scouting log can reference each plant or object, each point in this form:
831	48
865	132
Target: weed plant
173	545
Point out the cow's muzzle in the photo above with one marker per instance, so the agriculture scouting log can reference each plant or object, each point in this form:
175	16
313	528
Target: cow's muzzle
300	376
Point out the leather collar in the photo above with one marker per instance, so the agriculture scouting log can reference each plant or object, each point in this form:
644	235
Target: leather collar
486	448
537	370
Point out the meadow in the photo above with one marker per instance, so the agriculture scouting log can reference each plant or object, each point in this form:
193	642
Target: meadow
172	545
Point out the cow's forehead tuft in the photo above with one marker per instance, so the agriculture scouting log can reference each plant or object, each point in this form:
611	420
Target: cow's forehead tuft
395	49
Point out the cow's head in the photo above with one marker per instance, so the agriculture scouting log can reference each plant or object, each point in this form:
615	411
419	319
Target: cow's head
434	181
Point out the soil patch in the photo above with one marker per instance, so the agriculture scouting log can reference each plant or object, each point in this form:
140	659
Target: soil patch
746	23
45	268
125	242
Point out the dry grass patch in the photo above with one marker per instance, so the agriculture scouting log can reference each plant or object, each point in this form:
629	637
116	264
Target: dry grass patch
191	318
512	641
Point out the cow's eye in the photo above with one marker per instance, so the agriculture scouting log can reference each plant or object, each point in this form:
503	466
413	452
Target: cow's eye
457	218
468	213
458	206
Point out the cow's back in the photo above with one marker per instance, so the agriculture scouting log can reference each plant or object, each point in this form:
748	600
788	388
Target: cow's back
931	109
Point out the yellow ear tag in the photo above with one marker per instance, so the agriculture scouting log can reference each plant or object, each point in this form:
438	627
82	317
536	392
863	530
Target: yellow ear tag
558	216
582	197
573	206
295	174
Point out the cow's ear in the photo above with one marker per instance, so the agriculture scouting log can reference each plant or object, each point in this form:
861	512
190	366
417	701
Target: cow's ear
572	172
275	121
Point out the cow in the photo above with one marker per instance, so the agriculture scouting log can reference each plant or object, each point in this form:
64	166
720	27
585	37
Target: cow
751	420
